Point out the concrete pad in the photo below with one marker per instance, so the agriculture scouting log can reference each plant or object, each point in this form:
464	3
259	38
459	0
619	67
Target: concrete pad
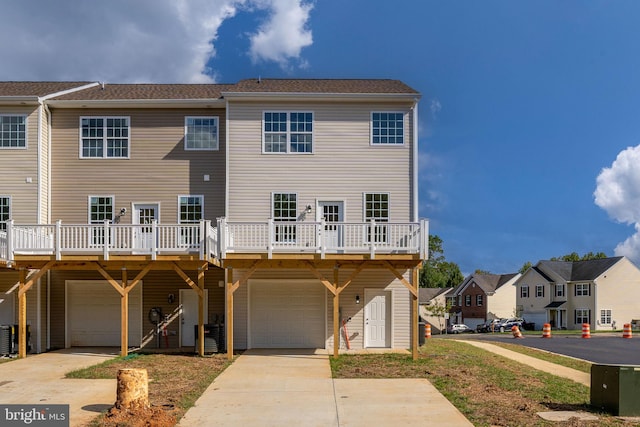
39	379
390	402
567	415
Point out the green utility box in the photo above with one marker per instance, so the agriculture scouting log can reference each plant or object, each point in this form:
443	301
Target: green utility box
616	389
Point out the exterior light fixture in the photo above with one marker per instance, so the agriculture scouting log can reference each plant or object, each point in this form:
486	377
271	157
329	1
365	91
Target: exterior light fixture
357	299
308	210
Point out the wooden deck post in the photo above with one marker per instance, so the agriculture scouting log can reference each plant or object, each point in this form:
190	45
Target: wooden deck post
124	316
414	312
22	316
229	315
201	311
336	313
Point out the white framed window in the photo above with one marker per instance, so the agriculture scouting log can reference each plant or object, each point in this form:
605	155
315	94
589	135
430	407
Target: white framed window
460	300
287	132
605	317
104	137
201	133
539	291
582	315
284	209
560	290
190	211
467	300
376	208
13	131
479	300
387	128
5	211
101	208
524	291
582	290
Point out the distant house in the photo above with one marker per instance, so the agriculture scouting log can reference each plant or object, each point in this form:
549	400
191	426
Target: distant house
427	298
482	297
601	292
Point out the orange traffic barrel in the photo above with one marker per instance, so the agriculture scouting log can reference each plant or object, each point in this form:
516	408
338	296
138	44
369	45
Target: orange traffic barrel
427	331
626	331
516	331
586	330
546	330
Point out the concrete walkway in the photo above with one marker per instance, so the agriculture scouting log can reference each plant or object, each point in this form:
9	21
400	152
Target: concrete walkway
280	388
39	379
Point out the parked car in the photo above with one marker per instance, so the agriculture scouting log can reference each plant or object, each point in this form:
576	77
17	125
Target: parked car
459	328
507	324
490	325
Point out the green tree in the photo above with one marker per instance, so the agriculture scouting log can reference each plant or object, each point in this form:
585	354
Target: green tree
480	271
436	271
527	265
437	309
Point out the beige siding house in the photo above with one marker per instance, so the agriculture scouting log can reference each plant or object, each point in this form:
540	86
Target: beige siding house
278	213
564	294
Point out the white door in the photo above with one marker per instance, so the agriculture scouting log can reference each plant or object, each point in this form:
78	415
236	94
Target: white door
377	319
144	214
93	314
189	315
287	314
332	213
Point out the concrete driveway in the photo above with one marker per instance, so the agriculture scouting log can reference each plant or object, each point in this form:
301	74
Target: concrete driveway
280	388
39	379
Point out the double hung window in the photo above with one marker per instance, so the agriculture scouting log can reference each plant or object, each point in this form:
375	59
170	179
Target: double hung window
605	317
582	290
524	291
104	137
387	128
539	291
287	132
201	133
582	315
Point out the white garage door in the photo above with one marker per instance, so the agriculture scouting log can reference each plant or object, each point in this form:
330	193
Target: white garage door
93	317
287	314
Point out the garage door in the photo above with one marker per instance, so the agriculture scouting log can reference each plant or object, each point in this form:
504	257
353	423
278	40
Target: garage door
286	314
93	317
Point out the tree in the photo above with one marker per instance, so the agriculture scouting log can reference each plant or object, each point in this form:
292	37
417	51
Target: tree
527	265
480	271
437	309
436	271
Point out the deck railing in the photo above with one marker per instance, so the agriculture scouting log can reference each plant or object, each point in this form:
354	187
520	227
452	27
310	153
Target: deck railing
214	242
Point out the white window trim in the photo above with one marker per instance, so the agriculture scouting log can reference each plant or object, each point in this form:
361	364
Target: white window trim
2	196
586	311
564	290
217	143
104	148
587	289
610	316
200	196
288	132
26	131
521	291
364	205
386	144
539	287
113	206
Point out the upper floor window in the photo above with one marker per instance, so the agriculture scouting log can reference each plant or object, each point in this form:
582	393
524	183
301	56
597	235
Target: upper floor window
467	300
583	290
377	209
560	290
539	291
460	300
285	209
13	131
524	291
104	137
387	128
201	133
5	211
287	132
479	300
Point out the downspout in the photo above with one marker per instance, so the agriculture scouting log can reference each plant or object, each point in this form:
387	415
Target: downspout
39	164
415	161
48	347
39	316
46	108
226	161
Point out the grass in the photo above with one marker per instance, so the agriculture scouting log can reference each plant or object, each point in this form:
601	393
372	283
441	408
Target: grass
488	389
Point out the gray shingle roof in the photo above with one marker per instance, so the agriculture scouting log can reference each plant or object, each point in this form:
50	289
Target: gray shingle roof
335	86
111	92
578	270
427	294
36	88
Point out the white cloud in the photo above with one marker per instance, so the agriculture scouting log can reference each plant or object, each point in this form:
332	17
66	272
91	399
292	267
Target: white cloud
618	193
435	107
283	36
135	41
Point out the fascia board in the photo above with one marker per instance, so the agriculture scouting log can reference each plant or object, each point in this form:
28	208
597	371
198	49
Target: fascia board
139	103
296	96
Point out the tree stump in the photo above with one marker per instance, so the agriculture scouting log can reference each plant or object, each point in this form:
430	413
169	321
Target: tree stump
133	389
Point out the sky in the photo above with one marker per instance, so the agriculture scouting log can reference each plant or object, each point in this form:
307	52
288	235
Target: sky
529	126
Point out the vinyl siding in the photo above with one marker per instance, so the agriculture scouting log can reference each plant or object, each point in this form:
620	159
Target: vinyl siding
157	171
618	290
17	165
343	165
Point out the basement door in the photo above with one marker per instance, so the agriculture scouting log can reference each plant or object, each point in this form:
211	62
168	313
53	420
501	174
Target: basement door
189	315
377	318
144	214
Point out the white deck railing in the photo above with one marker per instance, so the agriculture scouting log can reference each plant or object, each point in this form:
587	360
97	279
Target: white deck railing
210	242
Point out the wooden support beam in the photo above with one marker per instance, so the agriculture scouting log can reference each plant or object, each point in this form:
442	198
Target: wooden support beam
33	278
415	277
117	286
336	315
139	277
327	284
400	277
124	316
246	276
22	316
188	280
351	278
229	315
201	312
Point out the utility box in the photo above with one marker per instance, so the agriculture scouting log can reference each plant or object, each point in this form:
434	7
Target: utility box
616	389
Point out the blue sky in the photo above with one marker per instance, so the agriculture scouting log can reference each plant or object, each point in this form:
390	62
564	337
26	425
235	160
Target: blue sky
529	112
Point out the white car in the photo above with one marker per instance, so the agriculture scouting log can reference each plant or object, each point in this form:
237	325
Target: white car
459	328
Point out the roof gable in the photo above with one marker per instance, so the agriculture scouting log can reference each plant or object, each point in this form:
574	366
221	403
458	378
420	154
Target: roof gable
572	271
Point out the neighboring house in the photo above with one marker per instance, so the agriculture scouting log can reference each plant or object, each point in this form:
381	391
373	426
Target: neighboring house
483	297
428	298
600	292
140	211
